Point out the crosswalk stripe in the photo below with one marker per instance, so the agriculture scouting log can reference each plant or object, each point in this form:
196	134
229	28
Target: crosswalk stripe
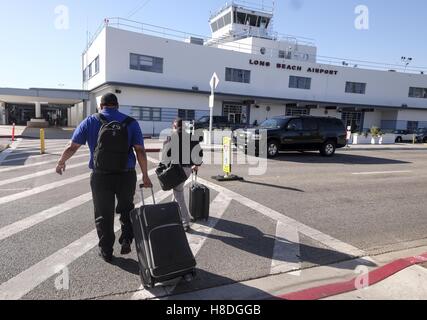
218	208
36	164
29	279
25	224
40	174
43	188
277	216
286	254
36	157
40	217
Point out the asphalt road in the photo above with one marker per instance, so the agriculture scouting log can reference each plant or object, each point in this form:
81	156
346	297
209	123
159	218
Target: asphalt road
303	211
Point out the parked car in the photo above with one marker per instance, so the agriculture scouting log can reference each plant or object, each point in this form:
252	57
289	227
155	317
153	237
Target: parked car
404	135
219	122
421	136
303	133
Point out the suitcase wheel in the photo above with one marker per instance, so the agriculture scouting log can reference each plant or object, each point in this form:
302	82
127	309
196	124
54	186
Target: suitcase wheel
149	282
190	277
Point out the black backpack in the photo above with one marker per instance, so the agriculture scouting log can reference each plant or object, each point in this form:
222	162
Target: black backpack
112	150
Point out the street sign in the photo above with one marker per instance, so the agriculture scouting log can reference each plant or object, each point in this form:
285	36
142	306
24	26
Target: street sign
227	154
214	81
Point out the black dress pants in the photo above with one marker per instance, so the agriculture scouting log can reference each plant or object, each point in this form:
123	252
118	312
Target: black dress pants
105	189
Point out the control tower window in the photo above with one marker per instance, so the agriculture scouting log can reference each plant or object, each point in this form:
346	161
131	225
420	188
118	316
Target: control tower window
264	22
240	18
227	19
252	20
214	26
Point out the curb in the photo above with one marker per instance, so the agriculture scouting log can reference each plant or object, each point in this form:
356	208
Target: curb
372	278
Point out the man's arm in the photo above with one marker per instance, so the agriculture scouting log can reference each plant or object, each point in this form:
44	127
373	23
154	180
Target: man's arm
70	151
141	155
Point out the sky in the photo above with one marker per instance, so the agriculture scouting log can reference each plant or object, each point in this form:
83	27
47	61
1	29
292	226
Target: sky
34	52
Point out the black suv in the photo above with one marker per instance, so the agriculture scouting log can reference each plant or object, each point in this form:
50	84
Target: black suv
302	133
218	122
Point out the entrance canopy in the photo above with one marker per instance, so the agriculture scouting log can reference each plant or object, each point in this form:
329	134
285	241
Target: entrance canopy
45	96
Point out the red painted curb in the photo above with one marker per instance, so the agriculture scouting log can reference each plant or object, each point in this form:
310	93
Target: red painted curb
372	277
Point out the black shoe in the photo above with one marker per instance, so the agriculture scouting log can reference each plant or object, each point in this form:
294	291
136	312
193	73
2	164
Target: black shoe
126	247
107	257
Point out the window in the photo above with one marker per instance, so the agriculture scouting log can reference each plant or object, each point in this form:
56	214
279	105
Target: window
294	125
97	65
221	23
310	124
282	54
412	126
240	18
214	26
146	63
418	92
187	115
293	111
91	70
353	119
147	114
355	87
299	82
237	75
227	19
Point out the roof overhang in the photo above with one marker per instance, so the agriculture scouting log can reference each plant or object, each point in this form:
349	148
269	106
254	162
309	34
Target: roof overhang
258	99
51	96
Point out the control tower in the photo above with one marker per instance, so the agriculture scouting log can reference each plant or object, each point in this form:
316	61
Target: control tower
248	28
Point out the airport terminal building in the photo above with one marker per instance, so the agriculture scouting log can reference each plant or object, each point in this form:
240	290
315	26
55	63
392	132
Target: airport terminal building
159	74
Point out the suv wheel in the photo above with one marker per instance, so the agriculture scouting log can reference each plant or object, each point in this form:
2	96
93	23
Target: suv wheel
272	149
328	149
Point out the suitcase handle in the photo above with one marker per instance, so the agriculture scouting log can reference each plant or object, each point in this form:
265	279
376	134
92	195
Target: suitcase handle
141	186
194	176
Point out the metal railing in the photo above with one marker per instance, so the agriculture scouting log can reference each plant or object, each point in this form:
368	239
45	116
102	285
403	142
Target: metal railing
269	52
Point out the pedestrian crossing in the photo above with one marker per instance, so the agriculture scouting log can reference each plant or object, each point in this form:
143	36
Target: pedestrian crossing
285	242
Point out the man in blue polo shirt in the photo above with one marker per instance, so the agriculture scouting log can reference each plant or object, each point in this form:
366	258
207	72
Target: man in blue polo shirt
108	182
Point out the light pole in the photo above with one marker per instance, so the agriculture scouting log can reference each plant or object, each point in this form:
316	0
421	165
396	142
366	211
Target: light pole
406	61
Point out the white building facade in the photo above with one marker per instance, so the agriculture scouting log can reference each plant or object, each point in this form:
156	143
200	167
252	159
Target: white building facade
159	74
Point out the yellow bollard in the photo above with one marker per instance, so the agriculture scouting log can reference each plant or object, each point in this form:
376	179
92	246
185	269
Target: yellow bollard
42	142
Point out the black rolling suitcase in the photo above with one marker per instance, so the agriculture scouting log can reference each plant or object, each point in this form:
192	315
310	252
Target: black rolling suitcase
161	243
199	201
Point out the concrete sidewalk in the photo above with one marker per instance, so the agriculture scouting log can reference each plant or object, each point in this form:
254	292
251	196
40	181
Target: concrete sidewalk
396	277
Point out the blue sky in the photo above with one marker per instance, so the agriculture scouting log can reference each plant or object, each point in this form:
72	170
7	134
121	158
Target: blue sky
34	53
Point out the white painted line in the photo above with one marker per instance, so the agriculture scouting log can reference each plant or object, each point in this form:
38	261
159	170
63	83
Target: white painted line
286	254
36	164
40	174
218	208
35	151
40	217
24	224
22	284
381	172
37	157
277	216
47	187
